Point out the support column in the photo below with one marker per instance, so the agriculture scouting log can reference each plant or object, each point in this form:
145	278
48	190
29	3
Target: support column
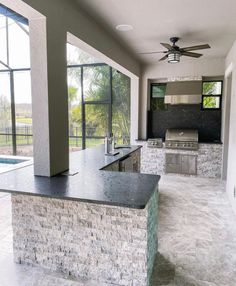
134	105
49	97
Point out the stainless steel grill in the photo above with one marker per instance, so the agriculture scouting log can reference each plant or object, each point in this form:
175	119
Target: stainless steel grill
186	139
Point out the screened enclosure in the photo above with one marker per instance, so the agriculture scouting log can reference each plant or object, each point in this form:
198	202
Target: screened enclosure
99	101
98	95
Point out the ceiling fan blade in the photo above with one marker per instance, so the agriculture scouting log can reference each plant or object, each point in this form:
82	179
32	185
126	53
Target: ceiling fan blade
149	53
193	55
162	59
167	46
193	48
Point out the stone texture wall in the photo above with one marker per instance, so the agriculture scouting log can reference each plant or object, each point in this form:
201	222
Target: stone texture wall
107	244
209	159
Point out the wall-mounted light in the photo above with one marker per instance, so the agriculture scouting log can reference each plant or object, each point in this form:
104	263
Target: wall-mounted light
174	57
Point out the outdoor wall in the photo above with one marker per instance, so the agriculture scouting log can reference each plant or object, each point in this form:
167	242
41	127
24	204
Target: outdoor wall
230	63
164	70
50	22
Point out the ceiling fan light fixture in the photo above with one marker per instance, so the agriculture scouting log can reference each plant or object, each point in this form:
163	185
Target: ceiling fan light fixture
174	57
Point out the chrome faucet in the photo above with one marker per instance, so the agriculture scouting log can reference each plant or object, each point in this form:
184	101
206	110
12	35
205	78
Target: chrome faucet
109	148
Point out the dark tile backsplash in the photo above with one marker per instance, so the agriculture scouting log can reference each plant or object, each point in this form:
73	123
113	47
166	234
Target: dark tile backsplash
207	122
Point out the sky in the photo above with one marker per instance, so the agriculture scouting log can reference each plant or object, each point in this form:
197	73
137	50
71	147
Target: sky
19	57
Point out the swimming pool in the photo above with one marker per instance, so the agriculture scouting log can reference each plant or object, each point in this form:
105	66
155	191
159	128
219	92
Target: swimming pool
9	163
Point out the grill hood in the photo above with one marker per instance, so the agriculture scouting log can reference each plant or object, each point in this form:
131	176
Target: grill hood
184	92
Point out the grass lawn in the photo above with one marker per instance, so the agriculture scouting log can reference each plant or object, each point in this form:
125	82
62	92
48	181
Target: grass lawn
26	120
6	140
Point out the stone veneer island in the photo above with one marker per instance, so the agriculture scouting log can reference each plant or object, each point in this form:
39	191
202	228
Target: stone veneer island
96	225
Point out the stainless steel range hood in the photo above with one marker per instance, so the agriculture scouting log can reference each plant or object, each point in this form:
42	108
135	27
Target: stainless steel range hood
184	92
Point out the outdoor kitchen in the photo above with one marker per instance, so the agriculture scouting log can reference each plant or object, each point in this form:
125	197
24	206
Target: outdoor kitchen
184	128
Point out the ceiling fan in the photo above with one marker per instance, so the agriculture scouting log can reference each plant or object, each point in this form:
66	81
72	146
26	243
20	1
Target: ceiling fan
174	52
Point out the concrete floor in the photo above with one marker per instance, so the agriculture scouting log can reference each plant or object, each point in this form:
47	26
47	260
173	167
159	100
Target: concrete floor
197	239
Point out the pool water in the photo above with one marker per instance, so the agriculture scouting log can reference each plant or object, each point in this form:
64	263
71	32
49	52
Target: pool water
10	163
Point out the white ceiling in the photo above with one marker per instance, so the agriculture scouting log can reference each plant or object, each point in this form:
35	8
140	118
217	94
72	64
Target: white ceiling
154	21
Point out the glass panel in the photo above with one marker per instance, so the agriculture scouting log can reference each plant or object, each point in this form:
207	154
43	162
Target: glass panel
121	108
211	102
5	103
158	91
19	49
157	97
6	144
96	117
3	46
23	109
74	105
92	142
96	83
76	56
158	104
212	88
24	143
75	143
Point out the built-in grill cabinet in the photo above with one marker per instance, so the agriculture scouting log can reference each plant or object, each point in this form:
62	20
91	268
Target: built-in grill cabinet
181	164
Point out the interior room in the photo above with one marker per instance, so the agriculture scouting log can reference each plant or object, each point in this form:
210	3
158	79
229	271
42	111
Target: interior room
117	143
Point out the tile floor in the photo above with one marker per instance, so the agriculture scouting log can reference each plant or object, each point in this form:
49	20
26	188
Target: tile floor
197	239
197	234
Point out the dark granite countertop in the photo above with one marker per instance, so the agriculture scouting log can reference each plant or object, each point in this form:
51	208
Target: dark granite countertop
90	184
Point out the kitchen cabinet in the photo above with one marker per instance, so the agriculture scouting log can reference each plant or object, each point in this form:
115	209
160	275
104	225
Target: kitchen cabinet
130	163
189	164
113	167
181	164
136	161
173	163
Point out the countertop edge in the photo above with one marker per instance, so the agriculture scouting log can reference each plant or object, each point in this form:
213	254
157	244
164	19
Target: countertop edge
128	190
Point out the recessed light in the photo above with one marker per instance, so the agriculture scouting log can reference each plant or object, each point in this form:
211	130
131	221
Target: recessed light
124	27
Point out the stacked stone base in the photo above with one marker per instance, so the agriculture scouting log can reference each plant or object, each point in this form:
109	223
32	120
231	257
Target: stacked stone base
107	244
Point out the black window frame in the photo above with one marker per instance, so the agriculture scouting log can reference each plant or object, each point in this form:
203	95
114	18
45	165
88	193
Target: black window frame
212	95
106	102
151	92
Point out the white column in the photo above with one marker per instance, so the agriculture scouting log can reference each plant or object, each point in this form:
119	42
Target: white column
49	97
134	105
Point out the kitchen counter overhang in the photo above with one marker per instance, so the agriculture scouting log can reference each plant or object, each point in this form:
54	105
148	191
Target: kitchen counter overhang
91	184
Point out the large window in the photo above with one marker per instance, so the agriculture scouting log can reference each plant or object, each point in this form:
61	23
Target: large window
99	101
157	101
15	87
211	95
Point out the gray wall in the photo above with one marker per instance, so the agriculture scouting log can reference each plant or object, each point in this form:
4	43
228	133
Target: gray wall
160	72
231	170
207	122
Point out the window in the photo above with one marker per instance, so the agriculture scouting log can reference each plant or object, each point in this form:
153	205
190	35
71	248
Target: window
120	107
15	86
211	95
99	101
158	91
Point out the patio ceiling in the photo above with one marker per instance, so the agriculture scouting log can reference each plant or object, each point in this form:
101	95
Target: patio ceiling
155	21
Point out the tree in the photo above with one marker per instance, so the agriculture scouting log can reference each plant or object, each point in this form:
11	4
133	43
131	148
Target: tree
121	105
72	94
5	112
96	86
210	88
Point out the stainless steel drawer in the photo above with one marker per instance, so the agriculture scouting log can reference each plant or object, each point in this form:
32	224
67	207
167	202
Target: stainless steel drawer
181	164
